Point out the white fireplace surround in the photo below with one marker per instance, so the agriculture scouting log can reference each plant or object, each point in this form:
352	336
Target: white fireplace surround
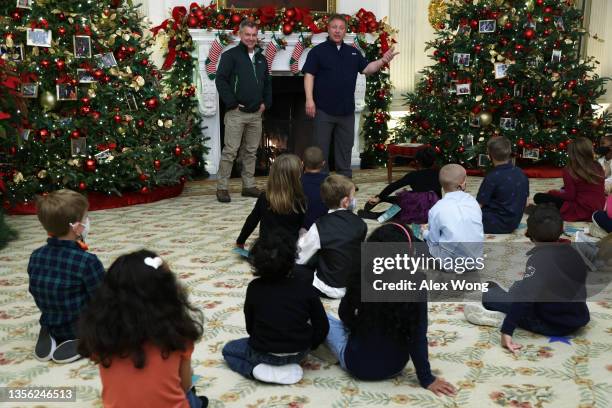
208	97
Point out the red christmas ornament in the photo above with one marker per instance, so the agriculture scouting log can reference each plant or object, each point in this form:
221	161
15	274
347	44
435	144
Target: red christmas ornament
236	18
82	186
290	13
518	107
95	115
571	84
178	151
131	49
529	33
45	63
508	25
547	19
443	60
85	110
287	29
152	103
90	165
117	118
43	133
521	142
61	30
144	190
461	149
532	100
157	164
425	125
474	24
574	131
60	64
143	177
98	73
106	79
453	74
519	47
539	2
562	145
16	15
144	62
220	18
566	105
548	9
476	109
75	134
556	112
182	179
61	16
503	41
546	33
438	150
477	48
192	21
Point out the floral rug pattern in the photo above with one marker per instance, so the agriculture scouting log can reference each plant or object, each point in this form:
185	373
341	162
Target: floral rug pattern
195	234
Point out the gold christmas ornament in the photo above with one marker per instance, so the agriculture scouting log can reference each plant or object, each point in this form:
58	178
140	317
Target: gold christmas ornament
437	13
48	101
486	118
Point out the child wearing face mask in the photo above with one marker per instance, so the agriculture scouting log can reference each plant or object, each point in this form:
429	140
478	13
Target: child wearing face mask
331	249
604	151
455	222
63	276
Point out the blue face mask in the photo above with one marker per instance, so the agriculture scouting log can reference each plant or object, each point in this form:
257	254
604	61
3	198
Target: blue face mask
352	205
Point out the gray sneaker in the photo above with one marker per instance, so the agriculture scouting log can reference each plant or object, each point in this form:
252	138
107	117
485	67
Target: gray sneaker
45	345
66	352
223	196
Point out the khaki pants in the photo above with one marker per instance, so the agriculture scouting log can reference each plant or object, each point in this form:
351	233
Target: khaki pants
242	132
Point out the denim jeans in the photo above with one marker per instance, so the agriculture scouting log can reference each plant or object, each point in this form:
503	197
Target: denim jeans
602	219
499	300
241	358
337	338
194	401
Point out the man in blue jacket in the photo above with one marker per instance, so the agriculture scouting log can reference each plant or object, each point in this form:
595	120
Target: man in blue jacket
244	86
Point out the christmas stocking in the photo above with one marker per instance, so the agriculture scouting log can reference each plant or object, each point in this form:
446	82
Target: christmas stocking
213	57
271	50
295	56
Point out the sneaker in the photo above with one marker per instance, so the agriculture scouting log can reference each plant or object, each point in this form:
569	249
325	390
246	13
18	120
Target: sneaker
223	196
285	374
66	352
475	313
204	401
596	230
251	192
45	345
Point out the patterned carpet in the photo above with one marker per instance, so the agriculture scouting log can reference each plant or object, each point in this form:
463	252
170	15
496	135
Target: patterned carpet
194	234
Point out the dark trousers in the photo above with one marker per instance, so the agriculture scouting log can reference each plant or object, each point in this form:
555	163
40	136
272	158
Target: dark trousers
541	198
501	301
343	130
241	358
602	219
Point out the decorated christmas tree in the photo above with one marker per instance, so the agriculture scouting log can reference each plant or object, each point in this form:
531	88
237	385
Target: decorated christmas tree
97	116
505	67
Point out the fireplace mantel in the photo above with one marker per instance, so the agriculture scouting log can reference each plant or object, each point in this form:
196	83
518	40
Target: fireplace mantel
208	97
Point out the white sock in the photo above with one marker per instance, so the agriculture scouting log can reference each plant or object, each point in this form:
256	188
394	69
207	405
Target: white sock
285	374
475	313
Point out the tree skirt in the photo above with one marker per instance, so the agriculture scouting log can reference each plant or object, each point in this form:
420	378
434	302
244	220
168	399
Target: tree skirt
531	172
100	201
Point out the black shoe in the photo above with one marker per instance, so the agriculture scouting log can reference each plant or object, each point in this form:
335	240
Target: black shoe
223	196
45	345
204	401
368	215
66	352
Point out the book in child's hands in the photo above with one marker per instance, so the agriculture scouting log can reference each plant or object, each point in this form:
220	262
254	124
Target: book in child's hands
390	213
242	252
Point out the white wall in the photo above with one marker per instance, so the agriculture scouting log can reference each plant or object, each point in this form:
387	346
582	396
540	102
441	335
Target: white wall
599	24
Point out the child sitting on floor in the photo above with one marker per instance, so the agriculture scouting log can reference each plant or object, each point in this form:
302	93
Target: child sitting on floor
284	317
552	271
63	276
311	183
583	184
504	191
281	208
426	178
331	248
455	222
374	341
141	330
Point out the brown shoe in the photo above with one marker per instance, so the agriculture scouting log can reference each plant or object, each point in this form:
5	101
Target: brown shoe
251	192
223	196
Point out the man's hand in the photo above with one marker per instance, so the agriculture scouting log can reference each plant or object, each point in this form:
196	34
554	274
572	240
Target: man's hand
441	387
506	342
311	109
374	200
262	108
389	55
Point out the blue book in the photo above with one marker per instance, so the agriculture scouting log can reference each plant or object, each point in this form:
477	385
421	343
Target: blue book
242	252
390	213
416	231
195	378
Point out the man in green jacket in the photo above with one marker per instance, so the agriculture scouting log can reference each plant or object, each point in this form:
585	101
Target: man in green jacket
244	85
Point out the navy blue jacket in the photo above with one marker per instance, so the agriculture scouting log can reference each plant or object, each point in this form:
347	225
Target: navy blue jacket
315	208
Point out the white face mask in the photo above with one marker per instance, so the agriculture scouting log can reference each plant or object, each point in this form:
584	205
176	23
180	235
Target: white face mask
352	205
86	224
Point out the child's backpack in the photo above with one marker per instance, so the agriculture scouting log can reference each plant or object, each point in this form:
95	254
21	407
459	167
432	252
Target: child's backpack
415	206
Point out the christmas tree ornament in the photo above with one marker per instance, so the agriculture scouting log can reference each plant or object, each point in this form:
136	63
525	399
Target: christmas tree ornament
48	101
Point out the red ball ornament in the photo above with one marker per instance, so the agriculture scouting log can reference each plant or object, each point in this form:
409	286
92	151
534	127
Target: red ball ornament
90	165
529	34
290	13
157	164
61	30
453	74
539	2
474	24
117	118
521	142
45	64
443	60
85	100
287	29
143	177
144	62
425	125
562	145
519	47
546	33
144	190
98	74
508	25
192	21
85	110
477	48
476	109
16	15
566	105
152	103
548	9
131	49
178	151
556	112
43	133
182	179
95	115
82	186
571	84
61	16
518	107
574	131
532	100
140	123
220	18
236	18
547	19
75	134
503	41
60	64
461	149
438	150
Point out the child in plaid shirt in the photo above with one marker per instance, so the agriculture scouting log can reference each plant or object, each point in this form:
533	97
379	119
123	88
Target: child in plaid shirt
63	276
